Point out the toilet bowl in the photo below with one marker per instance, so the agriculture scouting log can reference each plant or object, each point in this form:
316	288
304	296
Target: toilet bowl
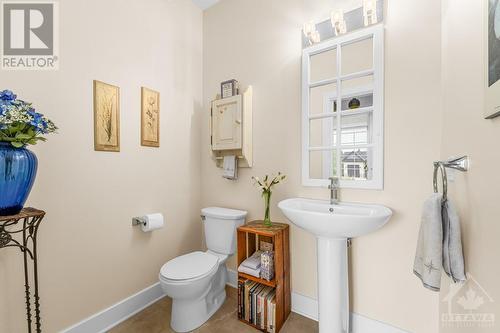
196	281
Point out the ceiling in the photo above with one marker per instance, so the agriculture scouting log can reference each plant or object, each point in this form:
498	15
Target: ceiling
205	4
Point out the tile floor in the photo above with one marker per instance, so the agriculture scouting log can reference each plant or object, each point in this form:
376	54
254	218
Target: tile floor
156	319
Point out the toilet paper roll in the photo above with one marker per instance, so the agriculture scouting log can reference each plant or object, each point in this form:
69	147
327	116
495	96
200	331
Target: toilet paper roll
152	222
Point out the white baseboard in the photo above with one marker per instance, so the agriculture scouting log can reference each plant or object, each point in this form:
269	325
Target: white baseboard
362	324
121	311
308	307
232	278
305	306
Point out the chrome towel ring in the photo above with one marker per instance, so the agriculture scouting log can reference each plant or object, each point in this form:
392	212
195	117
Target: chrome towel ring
440	166
461	164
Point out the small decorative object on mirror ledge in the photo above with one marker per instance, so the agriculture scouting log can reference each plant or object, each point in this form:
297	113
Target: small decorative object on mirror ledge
354	103
229	88
266	185
267	265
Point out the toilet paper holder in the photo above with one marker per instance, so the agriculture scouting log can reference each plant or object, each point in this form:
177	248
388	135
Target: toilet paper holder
138	221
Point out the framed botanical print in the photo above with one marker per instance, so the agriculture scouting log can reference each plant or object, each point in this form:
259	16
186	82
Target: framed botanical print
150	117
492	52
106	117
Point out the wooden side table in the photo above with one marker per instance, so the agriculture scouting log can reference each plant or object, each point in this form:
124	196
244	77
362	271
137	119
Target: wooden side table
20	231
278	234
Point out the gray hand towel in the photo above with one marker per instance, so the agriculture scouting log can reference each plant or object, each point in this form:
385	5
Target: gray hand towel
439	244
230	167
429	255
453	258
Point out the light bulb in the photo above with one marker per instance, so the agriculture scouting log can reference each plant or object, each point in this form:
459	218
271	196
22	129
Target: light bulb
315	37
308	28
370	12
338	22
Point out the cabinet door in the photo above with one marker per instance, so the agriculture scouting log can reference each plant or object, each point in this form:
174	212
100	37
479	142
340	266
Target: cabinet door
226	123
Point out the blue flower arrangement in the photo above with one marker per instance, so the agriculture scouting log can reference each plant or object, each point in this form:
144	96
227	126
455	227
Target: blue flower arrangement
20	124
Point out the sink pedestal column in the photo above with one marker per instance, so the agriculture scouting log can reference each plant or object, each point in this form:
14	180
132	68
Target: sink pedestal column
333	286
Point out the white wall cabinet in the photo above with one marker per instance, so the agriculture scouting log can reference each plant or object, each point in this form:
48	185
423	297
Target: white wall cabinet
231	129
227	123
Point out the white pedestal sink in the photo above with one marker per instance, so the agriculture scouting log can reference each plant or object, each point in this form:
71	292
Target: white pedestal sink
333	225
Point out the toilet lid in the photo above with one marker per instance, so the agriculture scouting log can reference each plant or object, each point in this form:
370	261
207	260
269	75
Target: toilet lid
189	266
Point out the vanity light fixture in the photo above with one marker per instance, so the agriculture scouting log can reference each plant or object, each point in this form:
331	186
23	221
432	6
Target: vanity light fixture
370	12
338	22
311	33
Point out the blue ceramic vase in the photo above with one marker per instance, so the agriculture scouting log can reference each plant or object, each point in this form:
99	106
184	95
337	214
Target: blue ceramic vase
17	174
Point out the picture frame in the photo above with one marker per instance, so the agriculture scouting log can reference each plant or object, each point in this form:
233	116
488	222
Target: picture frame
492	58
228	88
106	117
150	117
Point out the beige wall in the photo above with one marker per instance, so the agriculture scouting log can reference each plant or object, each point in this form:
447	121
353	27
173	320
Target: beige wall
90	256
466	132
259	43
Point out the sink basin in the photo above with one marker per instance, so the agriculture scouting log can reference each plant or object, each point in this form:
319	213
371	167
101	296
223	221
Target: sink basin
333	225
345	220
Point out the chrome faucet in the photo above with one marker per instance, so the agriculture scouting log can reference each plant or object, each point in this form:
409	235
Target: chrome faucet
334	190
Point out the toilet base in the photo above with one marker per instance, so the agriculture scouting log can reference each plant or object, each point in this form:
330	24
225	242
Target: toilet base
188	315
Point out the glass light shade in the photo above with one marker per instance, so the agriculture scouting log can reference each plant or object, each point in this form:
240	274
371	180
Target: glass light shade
308	28
337	16
370	12
315	37
338	22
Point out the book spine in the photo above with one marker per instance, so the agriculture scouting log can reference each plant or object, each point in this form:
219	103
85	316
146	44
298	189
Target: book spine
245	300
261	318
239	298
271	317
274	317
266	313
263	323
251	306
257	310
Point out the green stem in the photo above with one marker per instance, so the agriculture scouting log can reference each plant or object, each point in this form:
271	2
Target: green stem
267	203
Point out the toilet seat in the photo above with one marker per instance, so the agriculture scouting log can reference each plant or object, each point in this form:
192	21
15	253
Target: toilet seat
191	266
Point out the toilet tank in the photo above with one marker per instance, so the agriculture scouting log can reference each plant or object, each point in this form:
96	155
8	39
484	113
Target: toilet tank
220	228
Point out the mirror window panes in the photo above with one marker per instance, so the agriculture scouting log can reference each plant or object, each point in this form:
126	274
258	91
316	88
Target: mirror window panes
323	132
356	129
356	164
318	97
323	164
324	65
357	87
343	110
357	56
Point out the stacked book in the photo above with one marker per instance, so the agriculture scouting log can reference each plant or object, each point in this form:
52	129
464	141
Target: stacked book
251	265
257	304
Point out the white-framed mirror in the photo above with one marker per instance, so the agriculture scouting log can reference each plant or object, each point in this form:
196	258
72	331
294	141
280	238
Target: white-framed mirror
343	110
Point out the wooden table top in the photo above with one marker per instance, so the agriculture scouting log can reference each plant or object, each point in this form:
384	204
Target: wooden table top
258	227
25	213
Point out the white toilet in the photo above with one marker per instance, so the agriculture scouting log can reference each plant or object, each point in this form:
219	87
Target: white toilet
196	281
